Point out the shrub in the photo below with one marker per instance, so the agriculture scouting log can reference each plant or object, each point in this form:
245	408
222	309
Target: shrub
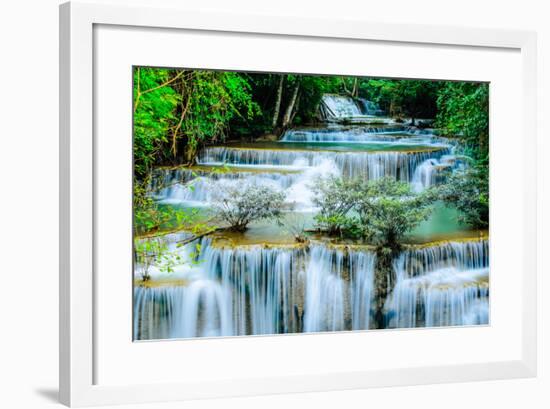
468	191
334	197
151	252
388	210
380	211
239	205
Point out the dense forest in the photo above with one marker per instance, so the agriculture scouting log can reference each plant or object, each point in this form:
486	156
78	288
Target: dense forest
177	111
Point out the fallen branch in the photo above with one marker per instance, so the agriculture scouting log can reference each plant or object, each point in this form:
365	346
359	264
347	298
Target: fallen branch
199	236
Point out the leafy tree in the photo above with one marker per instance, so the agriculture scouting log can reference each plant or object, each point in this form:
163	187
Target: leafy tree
381	211
412	98
388	210
463	111
240	205
335	197
177	110
214	99
155	103
468	191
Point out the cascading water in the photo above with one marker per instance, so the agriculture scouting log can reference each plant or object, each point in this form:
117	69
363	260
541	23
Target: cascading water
431	171
344	134
441	286
202	189
340	106
181	188
370	108
371	165
255	290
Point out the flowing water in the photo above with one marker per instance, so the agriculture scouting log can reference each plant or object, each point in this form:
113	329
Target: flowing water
261	282
439	285
259	290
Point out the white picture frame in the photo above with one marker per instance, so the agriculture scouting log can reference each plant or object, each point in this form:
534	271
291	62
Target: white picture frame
78	291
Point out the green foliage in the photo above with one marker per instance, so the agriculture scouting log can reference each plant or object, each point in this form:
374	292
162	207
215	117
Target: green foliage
463	110
380	211
176	109
215	99
155	251
468	191
154	114
411	98
149	217
335	197
388	210
240	205
311	90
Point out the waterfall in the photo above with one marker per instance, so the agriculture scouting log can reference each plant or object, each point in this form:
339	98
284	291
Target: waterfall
430	172
339	288
177	186
340	106
370	108
239	291
395	134
252	290
201	309
343	134
440	286
372	165
265	286
182	187
325	291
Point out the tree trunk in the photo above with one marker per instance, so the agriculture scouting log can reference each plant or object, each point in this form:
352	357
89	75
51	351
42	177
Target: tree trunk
384	278
277	103
290	107
191	155
355	90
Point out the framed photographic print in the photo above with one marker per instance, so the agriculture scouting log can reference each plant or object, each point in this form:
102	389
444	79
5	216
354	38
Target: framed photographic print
263	204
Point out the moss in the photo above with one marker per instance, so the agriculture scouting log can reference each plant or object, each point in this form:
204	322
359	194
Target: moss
163	282
474	235
201	169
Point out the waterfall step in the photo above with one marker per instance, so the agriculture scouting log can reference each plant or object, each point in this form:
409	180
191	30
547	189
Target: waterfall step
367	147
271	290
371	164
358	134
413	259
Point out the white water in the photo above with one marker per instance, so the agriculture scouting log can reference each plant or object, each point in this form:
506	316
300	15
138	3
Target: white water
371	165
257	290
203	189
441	286
430	171
341	106
369	107
181	188
246	290
369	134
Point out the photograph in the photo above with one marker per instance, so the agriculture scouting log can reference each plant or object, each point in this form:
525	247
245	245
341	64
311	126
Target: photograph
290	203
